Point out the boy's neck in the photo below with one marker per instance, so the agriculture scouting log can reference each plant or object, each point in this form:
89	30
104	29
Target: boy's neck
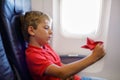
33	43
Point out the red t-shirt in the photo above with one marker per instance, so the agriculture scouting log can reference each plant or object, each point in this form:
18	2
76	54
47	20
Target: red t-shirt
38	59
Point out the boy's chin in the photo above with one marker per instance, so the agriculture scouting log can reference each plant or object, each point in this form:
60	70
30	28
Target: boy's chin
49	41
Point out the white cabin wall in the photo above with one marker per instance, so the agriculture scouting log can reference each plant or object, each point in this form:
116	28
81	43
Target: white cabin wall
112	64
43	5
111	68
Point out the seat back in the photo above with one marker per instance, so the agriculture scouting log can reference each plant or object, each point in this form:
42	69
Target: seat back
6	72
10	26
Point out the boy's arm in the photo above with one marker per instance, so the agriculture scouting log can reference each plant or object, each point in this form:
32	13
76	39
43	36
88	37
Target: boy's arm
68	70
71	77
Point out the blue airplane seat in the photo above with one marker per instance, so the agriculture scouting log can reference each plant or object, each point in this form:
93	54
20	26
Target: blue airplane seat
6	72
12	39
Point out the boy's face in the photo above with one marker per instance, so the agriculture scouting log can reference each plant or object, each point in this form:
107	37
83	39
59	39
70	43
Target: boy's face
43	32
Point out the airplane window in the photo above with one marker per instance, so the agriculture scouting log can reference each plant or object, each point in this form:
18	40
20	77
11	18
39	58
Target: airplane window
75	20
80	17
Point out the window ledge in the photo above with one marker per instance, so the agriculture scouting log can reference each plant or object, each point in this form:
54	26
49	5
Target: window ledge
70	58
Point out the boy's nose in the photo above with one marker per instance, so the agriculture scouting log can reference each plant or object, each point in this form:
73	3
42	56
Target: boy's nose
50	31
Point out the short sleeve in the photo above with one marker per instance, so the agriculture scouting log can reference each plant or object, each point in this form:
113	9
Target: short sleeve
38	63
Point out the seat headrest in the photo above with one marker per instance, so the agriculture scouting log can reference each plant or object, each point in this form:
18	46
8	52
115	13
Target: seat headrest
19	6
14	7
22	6
7	8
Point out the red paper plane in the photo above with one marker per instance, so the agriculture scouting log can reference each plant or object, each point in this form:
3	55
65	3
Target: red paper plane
91	44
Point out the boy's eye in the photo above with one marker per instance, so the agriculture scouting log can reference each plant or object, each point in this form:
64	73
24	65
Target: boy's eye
46	27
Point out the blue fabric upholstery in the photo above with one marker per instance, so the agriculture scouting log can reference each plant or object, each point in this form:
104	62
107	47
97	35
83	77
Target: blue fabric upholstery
6	72
10	27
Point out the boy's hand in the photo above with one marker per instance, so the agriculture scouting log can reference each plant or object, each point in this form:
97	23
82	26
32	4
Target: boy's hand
98	52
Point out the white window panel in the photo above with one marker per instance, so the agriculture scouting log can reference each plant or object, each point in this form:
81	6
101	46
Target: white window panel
80	17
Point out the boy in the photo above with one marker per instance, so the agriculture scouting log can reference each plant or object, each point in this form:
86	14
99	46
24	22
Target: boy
43	62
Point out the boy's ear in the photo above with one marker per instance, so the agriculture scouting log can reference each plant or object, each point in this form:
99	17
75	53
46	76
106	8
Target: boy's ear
31	30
